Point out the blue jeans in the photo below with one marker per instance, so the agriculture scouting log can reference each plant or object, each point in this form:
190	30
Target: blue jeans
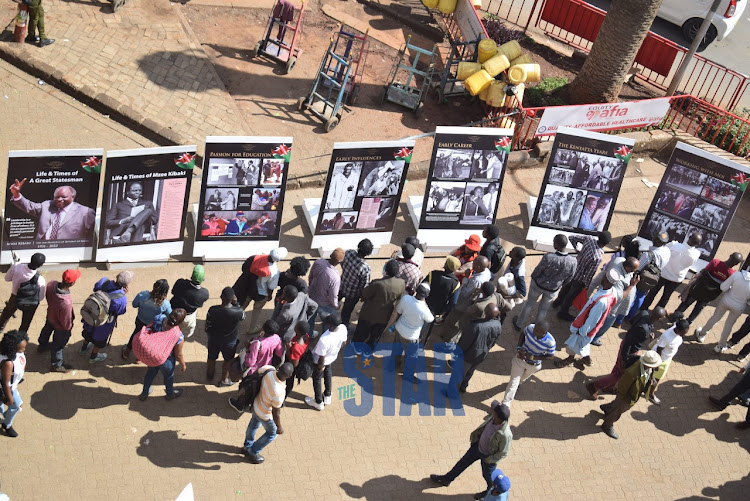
471	456
9	412
167	370
322	311
637	302
608	322
255	446
59	339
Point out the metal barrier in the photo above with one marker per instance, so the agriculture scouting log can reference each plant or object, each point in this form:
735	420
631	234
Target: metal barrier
577	24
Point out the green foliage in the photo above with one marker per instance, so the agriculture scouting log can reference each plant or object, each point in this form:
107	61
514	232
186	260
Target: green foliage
541	94
726	132
499	31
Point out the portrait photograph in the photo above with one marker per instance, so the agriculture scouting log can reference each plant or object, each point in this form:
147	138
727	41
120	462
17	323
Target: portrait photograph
343	186
131	213
595	211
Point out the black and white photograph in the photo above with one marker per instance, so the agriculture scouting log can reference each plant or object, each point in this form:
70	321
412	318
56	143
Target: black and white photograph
656	224
677	203
272	171
221	199
386	211
592	171
446	196
562	206
452	164
706	214
381	179
560	176
709	244
686	179
595	211
719	191
343	186
335	221
479	202
233	171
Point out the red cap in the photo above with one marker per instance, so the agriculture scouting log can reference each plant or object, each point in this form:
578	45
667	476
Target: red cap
70	276
473	243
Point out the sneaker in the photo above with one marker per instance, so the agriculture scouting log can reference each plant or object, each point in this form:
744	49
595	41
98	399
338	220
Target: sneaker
699	335
440	479
312	403
741	358
255	458
743	402
61	368
655	400
175	394
235	403
144	396
480	495
725	348
327	400
596	342
610	432
98	358
10	431
224	383
84	349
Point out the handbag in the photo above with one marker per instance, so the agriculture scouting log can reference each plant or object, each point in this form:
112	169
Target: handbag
705	289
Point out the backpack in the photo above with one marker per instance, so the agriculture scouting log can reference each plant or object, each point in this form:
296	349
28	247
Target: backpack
498	258
650	275
95	310
305	367
250	387
153	348
28	292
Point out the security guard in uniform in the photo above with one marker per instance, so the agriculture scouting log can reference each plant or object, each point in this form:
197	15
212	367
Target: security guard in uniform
36	20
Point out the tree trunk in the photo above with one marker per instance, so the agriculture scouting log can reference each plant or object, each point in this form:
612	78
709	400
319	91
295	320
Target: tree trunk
614	50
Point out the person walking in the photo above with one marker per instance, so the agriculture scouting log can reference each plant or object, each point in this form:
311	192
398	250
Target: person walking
587	262
12	368
30	289
292	307
552	273
60	318
589	321
636	381
98	336
705	286
490	444
36	24
666	346
324	354
638	335
190	295
325	283
149	304
742	386
379	299
222	327
735	296
534	345
159	346
355	276
267	411
681	258
413	314
477	340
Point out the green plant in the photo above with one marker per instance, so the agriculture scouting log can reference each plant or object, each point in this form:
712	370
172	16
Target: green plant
541	94
726	132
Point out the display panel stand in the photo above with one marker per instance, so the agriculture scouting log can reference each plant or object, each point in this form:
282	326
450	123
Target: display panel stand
325	244
438	241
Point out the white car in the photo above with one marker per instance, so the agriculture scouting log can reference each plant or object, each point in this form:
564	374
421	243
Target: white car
689	14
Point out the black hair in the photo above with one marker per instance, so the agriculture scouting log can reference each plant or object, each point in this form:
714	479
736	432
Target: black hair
333	320
487	288
160	290
633	249
391	268
364	247
519	251
270	327
302	325
290	292
408	250
299	266
492	231
10	342
682	325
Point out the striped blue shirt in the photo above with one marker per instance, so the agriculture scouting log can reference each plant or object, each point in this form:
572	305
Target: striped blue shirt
538	347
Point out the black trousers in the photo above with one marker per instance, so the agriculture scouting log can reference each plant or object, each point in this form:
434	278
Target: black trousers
741	387
325	375
11	307
740	334
350	302
568	294
669	288
368	333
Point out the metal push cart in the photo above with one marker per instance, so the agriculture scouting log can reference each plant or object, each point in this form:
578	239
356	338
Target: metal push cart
329	90
404	85
354	47
276	47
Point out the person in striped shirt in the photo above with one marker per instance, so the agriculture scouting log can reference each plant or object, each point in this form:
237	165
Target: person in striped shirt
534	345
267	410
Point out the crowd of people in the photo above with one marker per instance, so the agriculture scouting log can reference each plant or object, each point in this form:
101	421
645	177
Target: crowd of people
463	304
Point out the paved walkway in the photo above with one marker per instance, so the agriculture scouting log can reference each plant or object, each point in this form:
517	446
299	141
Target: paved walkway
86	433
141	62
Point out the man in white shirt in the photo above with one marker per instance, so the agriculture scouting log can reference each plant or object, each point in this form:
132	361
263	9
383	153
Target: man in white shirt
733	300
267	410
666	346
342	189
681	258
413	315
324	354
20	273
490	199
